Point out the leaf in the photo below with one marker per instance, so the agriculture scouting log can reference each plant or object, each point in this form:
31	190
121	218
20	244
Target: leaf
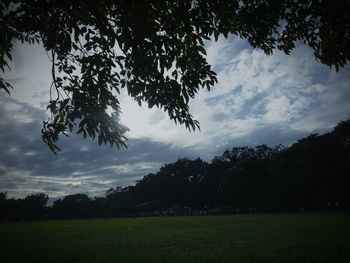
202	50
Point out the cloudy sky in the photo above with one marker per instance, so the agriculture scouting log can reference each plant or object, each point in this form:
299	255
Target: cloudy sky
259	99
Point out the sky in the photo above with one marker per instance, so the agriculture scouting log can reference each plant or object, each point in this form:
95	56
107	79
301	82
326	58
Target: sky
259	99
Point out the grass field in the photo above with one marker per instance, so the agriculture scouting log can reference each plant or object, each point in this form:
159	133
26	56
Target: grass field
241	238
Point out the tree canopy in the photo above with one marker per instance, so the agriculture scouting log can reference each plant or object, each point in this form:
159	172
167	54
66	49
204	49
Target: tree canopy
155	50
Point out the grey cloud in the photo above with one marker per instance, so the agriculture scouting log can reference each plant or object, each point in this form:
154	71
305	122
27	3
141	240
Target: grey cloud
26	163
218	57
219	117
214	100
156	117
251	107
264	134
235	117
14	81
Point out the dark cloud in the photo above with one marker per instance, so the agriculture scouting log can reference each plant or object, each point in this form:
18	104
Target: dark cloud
26	164
14	81
156	117
248	81
252	106
271	135
219	116
214	100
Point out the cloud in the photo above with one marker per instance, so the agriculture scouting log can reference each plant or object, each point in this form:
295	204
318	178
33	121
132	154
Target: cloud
27	165
256	90
30	74
259	99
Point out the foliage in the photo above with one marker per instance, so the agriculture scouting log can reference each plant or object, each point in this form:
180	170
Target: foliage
71	206
31	207
154	49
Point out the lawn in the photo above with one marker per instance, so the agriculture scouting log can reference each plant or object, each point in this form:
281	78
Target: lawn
239	238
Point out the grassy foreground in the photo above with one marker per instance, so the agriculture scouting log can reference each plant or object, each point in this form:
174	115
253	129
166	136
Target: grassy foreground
240	238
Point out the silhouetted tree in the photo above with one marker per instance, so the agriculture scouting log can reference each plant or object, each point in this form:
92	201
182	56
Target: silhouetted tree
34	206
73	206
242	176
31	207
313	173
3	205
155	49
176	183
120	200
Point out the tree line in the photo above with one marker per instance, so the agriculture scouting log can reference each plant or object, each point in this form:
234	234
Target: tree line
310	175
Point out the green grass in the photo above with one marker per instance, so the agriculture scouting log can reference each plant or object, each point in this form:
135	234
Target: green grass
242	238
